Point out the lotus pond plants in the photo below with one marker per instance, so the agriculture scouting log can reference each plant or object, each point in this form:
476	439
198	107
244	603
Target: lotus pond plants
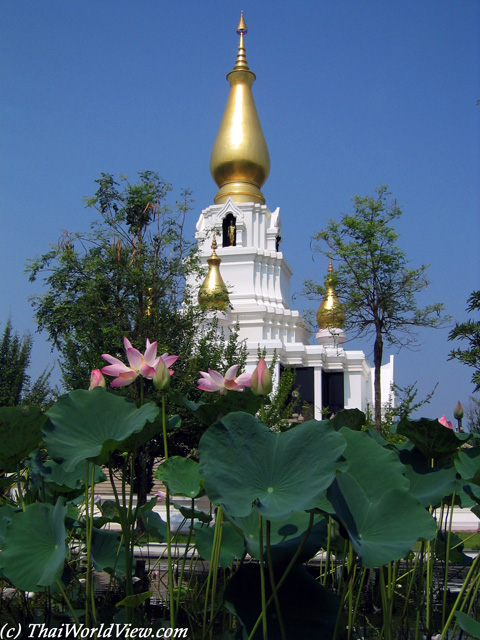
322	530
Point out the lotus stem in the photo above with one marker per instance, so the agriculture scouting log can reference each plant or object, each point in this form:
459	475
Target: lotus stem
171	596
262	579
471	572
447	558
285	574
272	581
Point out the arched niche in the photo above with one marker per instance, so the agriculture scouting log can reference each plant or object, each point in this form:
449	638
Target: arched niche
229	231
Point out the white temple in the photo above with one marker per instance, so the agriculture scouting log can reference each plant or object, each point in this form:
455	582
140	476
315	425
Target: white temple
257	274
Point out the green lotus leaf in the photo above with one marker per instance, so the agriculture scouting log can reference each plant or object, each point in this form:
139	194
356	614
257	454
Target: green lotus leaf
468	624
233	544
208	412
246	466
373	502
429	486
286	534
466	494
67	481
149	431
467	464
136	600
430	437
108	552
34	548
181	476
455	553
89	425
309	610
20	433
112	511
154	525
194	514
350	418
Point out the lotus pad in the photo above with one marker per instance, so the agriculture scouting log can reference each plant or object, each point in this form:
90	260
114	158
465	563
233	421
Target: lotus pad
181	476
245	465
34	549
91	424
372	500
430	437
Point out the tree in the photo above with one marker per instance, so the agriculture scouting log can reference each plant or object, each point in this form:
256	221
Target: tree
469	331
15	383
373	281
124	278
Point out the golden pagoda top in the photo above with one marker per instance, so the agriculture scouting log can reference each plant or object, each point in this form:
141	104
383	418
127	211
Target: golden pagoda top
213	294
330	314
240	162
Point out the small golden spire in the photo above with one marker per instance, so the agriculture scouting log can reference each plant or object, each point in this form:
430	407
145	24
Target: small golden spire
330	314
240	162
241	62
213	293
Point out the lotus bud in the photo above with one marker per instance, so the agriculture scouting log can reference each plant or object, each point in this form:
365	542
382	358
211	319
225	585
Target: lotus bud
458	411
161	495
96	379
261	379
161	379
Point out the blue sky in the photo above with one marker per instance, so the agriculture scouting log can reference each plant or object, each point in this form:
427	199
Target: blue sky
351	95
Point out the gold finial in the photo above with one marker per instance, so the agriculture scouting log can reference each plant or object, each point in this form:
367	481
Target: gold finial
213	293
242	27
330	314
241	62
240	162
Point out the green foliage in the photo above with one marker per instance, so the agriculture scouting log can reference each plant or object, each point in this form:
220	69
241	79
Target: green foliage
15	384
20	433
281	497
280	404
246	467
308	609
430	437
124	278
469	331
373	280
43	564
383	520
181	476
90	425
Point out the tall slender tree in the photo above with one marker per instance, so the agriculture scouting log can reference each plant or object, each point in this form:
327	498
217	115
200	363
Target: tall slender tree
373	280
470	332
15	383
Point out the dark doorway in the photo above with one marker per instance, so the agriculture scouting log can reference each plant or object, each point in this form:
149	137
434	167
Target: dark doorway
333	395
304	386
229	231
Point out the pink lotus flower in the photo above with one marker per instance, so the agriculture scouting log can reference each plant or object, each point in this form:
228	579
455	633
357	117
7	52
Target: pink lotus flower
261	379
214	381
140	364
446	423
161	495
96	379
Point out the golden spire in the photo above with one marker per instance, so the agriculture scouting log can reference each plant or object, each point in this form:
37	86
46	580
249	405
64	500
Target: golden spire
330	314
240	162
213	293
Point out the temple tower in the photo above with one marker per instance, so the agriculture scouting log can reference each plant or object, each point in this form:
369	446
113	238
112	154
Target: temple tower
257	274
